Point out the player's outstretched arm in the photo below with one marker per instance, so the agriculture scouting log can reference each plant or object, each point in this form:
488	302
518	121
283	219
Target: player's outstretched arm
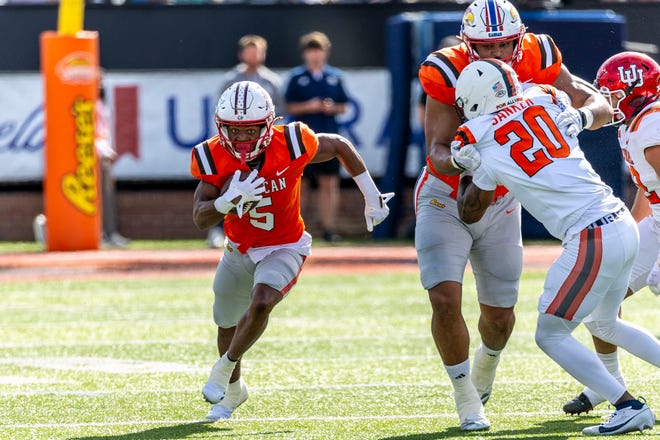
592	109
641	208
334	145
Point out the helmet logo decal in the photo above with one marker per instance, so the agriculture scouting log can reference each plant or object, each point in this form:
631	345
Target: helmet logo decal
633	77
468	18
499	89
514	15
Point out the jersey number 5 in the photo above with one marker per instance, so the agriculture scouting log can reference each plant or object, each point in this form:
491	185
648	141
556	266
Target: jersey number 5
262	220
553	142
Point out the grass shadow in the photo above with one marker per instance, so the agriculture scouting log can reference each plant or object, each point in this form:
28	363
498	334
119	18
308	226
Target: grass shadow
174	432
550	430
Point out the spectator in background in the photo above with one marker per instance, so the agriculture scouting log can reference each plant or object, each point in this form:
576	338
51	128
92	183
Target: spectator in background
252	56
315	95
107	153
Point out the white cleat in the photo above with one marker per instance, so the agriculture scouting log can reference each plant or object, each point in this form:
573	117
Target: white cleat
212	392
237	393
470	409
636	416
475	422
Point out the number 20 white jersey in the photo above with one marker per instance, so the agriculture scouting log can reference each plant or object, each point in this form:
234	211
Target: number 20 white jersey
523	149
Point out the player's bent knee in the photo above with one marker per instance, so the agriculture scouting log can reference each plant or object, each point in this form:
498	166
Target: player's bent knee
551	331
264	300
603	330
501	318
446	297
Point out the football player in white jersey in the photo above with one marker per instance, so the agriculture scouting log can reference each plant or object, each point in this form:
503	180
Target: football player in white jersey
512	139
631	82
493	246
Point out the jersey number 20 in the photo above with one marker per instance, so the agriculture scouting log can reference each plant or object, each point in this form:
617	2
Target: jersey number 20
553	142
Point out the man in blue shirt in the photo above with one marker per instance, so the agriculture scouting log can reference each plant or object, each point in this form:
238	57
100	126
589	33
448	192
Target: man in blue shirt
315	95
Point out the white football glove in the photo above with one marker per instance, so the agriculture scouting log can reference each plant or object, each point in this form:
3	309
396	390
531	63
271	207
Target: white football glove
375	211
653	280
466	157
375	203
240	192
571	120
574	120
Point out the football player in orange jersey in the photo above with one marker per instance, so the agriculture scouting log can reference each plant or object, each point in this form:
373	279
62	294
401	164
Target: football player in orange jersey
444	243
266	243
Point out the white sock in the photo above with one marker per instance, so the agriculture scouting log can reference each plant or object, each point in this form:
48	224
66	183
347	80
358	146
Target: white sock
233	389
222	370
490	357
459	373
611	362
484	368
465	394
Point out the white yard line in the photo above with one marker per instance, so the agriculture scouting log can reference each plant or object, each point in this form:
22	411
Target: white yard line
269	389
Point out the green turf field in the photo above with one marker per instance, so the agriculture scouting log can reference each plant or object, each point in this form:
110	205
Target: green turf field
344	357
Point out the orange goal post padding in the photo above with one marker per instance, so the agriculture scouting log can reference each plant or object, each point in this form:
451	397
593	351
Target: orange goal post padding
70	69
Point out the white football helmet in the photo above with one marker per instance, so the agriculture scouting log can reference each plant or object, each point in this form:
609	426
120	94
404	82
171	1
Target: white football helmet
486	86
492	21
245	103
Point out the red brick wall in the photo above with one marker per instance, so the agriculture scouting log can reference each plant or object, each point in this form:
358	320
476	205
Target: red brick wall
167	214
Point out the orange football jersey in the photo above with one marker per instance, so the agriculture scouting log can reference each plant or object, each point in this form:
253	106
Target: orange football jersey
540	64
276	218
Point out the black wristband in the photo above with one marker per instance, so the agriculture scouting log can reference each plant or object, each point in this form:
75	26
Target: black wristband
583	117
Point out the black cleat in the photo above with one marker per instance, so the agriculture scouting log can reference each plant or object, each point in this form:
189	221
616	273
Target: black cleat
579	404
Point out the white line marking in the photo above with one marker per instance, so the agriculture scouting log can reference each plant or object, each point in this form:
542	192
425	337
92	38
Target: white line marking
105	365
272	389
